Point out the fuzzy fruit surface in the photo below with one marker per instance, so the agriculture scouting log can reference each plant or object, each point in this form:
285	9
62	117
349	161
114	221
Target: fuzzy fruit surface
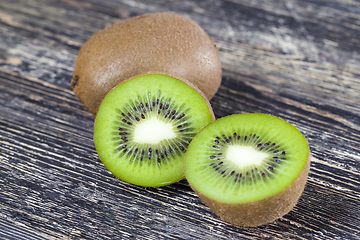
162	43
143	128
250	169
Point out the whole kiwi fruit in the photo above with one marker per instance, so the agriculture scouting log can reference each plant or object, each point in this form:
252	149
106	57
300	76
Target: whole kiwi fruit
249	169
157	43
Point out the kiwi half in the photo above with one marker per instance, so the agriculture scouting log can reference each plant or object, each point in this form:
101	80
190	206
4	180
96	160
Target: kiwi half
156	43
249	169
143	128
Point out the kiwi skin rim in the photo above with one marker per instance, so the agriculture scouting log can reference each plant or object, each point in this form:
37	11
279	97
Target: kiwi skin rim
162	43
263	211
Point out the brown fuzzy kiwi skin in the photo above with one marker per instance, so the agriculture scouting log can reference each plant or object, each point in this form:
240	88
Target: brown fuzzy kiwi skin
257	213
162	43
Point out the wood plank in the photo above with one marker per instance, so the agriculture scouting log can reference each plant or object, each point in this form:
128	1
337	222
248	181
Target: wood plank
294	59
26	148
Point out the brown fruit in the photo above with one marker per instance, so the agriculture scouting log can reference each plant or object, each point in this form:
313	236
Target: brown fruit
158	43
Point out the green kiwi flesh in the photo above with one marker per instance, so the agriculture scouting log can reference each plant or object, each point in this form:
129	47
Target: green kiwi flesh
162	43
249	169
143	128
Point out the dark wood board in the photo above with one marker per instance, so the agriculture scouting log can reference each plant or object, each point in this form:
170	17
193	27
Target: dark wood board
298	60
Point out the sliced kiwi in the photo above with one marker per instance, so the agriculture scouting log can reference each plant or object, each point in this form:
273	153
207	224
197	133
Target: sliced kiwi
144	126
249	169
162	43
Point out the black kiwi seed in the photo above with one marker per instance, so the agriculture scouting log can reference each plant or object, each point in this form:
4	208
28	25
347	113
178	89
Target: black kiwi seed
181	116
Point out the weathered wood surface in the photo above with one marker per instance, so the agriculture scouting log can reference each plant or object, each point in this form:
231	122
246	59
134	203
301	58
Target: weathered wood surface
298	60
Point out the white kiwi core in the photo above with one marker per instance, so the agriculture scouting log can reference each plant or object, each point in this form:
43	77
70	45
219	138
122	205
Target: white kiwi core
153	130
245	156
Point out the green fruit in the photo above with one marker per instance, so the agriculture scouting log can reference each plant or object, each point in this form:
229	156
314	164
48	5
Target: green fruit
249	169
143	128
161	43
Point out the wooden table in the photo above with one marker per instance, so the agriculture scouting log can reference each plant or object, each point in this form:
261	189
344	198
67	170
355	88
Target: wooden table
296	59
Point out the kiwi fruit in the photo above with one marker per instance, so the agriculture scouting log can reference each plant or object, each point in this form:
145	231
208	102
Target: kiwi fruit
156	43
249	169
144	125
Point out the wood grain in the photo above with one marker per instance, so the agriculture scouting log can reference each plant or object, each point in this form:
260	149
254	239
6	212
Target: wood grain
298	60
